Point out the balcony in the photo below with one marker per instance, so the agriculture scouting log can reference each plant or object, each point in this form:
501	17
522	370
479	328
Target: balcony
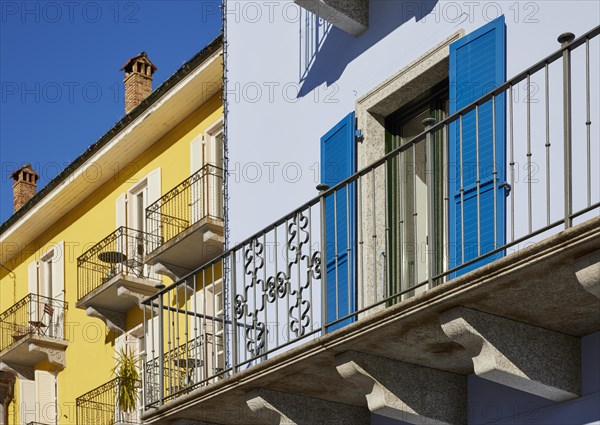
334	305
31	331
187	224
197	362
112	277
100	407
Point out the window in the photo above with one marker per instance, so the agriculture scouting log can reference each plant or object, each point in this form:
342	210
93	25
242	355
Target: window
46	284
139	235
213	155
38	402
389	115
408	180
137	211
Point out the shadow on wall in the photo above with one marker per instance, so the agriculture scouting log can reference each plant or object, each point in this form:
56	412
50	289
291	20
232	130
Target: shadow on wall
326	51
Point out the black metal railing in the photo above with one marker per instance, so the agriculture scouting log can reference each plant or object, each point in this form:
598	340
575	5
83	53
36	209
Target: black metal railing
121	252
101	406
196	198
184	366
34	315
384	234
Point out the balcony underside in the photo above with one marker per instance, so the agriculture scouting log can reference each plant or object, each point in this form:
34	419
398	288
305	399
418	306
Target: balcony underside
191	248
111	301
543	294
21	357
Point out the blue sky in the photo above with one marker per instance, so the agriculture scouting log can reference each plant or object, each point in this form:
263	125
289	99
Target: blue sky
60	84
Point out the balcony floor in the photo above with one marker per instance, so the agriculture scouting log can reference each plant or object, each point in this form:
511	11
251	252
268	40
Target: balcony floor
191	248
31	349
109	296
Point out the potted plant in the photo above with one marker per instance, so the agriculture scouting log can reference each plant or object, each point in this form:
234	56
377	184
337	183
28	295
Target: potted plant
128	378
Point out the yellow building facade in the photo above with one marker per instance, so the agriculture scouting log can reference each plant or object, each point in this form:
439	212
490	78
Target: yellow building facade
111	229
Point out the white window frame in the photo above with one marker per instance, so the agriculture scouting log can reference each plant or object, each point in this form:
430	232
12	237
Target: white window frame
210	155
211	132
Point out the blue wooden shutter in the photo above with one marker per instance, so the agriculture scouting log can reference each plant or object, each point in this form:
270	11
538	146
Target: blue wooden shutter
338	162
477	65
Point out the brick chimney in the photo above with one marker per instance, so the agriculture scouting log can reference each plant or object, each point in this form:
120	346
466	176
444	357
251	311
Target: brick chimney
138	80
24	185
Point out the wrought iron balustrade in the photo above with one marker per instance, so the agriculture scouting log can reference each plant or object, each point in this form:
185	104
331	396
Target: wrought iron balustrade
34	315
384	234
121	252
101	406
184	367
198	197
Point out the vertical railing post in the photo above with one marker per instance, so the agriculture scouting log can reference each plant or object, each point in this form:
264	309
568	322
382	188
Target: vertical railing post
234	335
322	188
161	353
145	357
566	39
430	179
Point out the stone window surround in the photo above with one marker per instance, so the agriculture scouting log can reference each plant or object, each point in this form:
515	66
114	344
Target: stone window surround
371	110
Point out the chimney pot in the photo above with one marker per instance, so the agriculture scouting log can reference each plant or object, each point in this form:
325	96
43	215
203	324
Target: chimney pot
138	80
24	185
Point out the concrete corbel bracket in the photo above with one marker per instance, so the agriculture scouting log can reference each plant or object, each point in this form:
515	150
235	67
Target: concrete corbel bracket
172	272
114	320
587	270
55	356
20	371
351	16
407	392
277	408
122	291
519	355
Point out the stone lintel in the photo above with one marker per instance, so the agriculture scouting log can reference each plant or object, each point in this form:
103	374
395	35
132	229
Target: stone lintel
406	392
516	354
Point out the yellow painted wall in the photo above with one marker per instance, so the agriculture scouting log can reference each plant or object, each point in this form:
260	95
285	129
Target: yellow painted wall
90	355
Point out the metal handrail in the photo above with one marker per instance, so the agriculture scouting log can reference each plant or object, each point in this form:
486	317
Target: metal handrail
194	199
122	251
390	155
261	285
33	315
100	405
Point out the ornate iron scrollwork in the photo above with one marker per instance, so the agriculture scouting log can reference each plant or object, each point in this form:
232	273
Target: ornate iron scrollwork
278	286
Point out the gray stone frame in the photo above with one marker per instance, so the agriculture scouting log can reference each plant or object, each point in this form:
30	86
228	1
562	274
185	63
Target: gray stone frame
371	110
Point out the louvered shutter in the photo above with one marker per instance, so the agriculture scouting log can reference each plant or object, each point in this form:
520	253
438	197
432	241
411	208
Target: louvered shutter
338	162
27	409
477	65
45	392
